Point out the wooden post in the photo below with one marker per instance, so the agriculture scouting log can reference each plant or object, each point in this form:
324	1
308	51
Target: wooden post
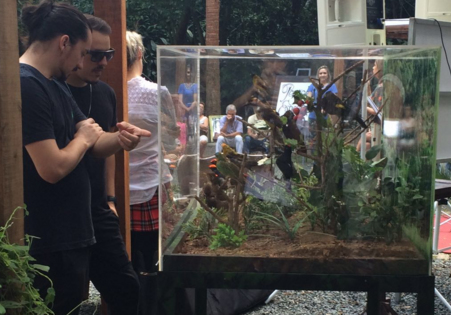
11	179
113	12
213	97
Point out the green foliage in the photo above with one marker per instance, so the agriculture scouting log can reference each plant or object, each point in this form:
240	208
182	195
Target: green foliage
373	152
442	171
225	236
266	22
17	273
282	222
382	207
201	225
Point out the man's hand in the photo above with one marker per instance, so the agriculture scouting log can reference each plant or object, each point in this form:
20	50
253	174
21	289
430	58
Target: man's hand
89	131
130	135
112	207
230	118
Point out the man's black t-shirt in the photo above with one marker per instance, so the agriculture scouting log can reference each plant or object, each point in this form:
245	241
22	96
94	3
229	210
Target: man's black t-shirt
97	101
59	214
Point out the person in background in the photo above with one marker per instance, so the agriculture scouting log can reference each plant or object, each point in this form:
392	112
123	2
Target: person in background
253	140
203	125
231	130
324	77
376	97
182	125
187	91
187	97
145	176
110	268
56	136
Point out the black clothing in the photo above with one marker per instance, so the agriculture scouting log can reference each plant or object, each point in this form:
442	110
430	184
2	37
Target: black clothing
69	273
101	106
59	214
109	268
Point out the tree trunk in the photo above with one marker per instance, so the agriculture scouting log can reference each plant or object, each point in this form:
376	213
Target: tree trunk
113	12
180	37
213	101
11	167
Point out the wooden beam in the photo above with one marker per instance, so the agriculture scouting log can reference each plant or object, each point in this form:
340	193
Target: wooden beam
11	179
115	74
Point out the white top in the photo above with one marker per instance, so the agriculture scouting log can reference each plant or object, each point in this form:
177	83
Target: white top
202	120
260	124
143	160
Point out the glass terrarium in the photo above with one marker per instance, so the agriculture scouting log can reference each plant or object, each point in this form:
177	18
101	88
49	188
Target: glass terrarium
342	178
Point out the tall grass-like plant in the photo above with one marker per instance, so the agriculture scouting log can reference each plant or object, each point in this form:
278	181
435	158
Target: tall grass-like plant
17	274
282	222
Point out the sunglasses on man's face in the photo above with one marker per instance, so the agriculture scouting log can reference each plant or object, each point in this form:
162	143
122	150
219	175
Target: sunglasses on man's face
98	55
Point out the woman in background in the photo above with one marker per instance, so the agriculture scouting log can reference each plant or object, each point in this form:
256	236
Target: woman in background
188	100
203	129
143	111
187	91
324	77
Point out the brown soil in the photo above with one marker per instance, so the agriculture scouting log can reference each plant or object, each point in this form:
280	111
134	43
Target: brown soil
310	244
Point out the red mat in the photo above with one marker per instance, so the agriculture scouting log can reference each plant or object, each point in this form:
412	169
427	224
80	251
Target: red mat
444	237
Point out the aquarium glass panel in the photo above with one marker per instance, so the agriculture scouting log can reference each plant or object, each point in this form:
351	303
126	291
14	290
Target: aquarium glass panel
304	160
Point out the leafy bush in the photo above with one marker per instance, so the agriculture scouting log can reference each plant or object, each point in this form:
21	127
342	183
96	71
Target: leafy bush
225	237
17	273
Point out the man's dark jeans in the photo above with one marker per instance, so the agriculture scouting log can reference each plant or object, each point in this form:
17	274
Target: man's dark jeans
251	144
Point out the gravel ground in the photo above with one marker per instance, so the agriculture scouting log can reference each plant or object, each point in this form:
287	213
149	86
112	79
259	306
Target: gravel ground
330	303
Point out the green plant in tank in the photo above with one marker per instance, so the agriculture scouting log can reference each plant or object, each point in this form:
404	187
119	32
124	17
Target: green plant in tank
225	236
17	274
280	221
361	191
201	226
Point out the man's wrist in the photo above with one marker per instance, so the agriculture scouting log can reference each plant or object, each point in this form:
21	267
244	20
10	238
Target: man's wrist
111	199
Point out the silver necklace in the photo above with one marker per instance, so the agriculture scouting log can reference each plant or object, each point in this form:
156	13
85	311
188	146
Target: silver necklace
90	100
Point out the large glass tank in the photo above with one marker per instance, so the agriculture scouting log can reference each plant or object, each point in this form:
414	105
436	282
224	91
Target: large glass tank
342	181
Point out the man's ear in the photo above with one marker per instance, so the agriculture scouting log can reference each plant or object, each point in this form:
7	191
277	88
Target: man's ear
140	54
63	42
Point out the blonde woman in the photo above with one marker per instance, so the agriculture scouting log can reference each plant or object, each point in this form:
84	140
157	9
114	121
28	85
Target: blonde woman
143	111
324	77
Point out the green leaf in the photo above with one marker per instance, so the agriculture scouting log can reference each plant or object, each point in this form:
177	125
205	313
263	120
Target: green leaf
417	196
13	304
381	163
41	267
291	142
373	152
164	41
284	119
50	297
303	173
2	309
